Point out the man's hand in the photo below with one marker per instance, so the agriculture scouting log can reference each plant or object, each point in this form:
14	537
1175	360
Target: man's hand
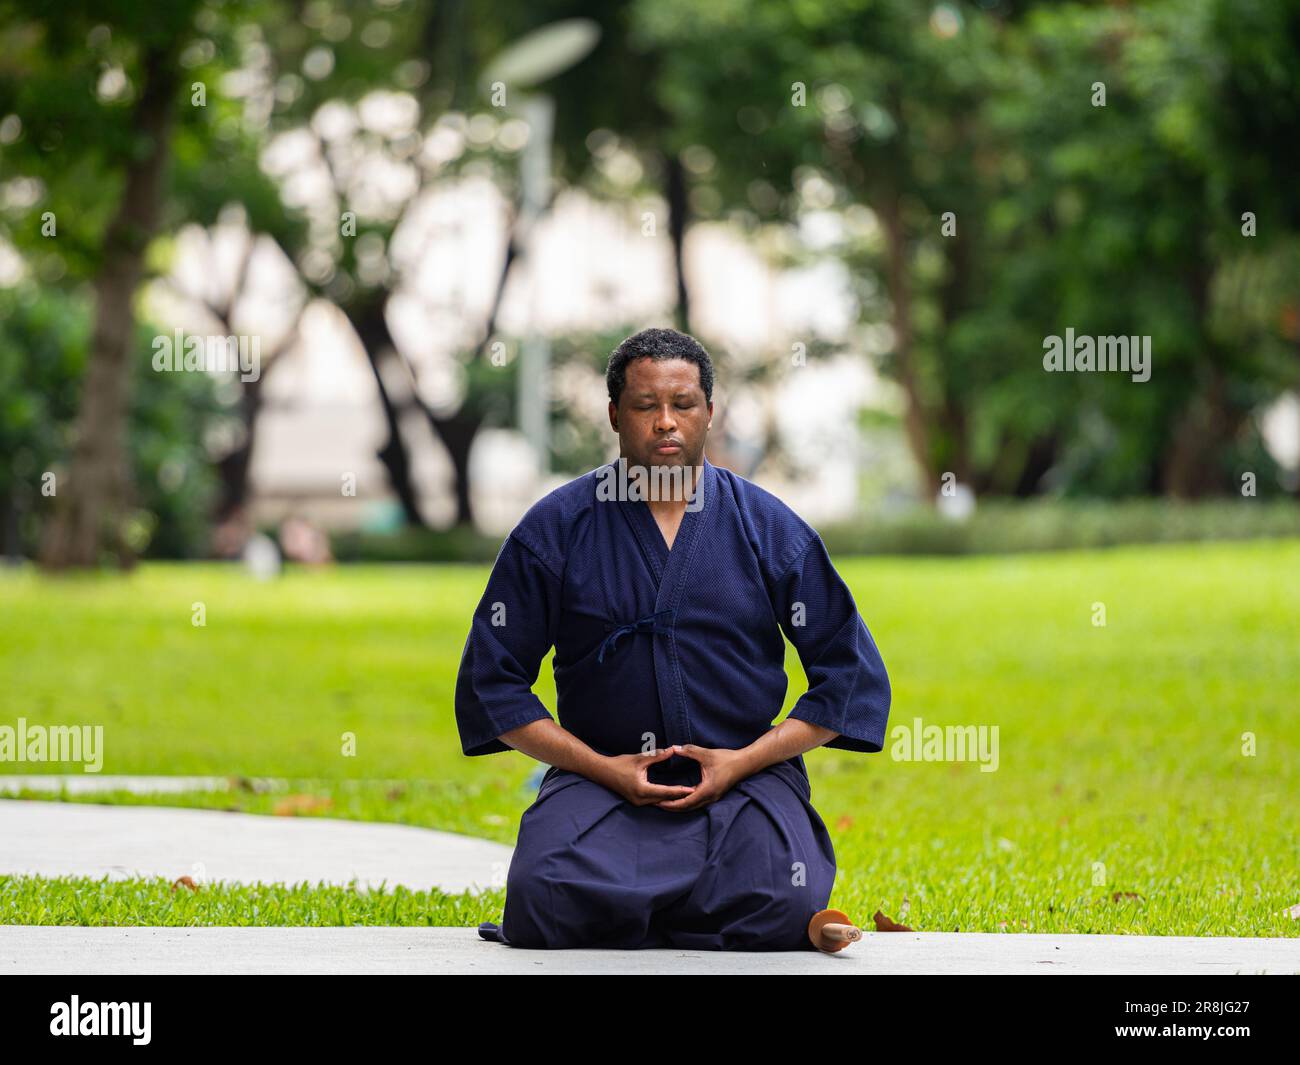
720	770
628	775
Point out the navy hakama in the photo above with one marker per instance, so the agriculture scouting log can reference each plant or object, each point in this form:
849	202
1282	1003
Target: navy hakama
655	647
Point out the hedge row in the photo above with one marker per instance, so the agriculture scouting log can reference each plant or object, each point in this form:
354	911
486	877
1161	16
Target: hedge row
1042	525
994	528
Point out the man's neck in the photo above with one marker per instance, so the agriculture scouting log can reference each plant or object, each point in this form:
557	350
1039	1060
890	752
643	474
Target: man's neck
669	489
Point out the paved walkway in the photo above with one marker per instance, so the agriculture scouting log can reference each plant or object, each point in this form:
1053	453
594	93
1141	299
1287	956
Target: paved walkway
26	949
63	838
87	839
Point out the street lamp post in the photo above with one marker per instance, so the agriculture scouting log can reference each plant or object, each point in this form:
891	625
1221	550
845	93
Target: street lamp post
526	63
534	396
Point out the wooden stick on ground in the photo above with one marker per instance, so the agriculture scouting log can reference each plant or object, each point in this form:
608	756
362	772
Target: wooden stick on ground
832	930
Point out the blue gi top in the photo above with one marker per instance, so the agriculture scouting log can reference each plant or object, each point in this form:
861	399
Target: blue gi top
655	647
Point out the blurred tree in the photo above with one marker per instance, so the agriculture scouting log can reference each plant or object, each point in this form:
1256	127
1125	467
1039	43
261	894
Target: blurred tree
433	53
312	71
892	118
42	355
1006	207
1127	219
801	109
95	85
44	346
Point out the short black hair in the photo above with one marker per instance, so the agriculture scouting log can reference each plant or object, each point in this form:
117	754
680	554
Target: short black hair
657	344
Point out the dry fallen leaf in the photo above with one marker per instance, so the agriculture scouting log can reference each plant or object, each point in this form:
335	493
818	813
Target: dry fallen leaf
1116	896
844	823
187	882
292	805
884	924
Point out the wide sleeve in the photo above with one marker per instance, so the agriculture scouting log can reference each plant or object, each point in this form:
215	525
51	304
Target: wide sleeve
848	688
512	630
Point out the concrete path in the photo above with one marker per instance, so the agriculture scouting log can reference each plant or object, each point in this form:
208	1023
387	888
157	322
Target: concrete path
85	839
62	838
25	949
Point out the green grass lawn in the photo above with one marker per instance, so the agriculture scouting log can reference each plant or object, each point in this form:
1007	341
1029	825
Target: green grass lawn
1122	801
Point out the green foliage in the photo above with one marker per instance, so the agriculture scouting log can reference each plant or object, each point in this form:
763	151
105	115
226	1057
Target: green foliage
457	544
44	336
1117	220
43	340
1123	219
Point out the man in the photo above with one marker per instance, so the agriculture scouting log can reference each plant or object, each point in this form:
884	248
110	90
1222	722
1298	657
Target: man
673	812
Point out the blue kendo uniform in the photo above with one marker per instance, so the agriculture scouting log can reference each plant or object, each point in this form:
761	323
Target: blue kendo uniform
656	647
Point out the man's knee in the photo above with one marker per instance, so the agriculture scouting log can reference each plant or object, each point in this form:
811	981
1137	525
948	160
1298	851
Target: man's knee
552	902
762	885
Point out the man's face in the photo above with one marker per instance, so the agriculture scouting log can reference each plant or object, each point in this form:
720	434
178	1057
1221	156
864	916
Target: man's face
662	417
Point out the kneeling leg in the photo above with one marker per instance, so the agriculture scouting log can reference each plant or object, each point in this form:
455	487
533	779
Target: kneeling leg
769	870
575	882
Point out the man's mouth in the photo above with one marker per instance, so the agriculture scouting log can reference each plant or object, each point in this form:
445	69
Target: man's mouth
667	448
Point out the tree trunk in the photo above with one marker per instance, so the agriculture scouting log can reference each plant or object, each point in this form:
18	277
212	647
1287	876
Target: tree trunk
90	509
233	468
1189	467
372	329
1040	456
900	297
10	528
457	434
678	210
954	300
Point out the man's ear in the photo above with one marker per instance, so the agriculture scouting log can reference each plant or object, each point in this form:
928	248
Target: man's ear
613	416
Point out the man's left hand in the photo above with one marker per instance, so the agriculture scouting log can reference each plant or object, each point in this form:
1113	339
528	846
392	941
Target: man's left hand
720	770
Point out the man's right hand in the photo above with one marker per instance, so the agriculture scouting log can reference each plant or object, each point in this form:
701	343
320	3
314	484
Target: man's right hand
629	776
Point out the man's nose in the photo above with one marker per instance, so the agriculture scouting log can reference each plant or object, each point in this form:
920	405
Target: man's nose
665	419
